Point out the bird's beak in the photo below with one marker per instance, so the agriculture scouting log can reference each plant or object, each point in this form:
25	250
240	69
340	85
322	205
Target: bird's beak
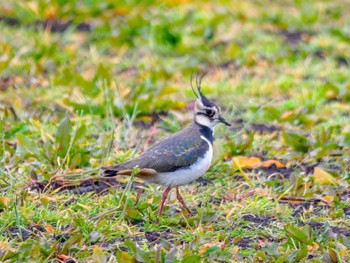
221	119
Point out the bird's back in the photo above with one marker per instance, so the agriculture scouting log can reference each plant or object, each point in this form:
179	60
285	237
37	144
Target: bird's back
171	153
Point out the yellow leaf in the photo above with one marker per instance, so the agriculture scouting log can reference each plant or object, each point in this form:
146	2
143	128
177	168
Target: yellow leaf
124	257
273	162
343	252
322	177
230	213
167	91
329	198
145	118
44	200
17	102
248	162
5	201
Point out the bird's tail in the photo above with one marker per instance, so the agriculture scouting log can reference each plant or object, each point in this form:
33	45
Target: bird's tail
109	171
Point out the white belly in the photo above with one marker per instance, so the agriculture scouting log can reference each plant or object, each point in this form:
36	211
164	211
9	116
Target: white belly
188	174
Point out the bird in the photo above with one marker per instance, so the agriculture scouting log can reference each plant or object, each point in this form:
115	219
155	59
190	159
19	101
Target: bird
179	158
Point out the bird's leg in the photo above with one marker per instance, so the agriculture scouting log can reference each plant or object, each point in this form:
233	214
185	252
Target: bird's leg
164	197
179	197
138	195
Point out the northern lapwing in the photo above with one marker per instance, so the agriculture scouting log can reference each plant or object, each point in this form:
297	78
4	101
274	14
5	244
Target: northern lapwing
180	158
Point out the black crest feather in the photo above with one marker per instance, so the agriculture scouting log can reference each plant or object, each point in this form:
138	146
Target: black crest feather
199	78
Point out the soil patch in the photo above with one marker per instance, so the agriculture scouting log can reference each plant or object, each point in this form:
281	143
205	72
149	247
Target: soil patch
242	242
299	207
24	233
294	38
88	185
215	200
203	181
335	229
258	219
155	237
343	61
52	25
263	128
273	170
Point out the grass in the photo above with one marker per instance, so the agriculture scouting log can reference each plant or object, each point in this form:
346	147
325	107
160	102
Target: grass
88	84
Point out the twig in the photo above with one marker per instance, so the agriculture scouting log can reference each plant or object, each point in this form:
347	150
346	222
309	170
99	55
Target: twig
286	199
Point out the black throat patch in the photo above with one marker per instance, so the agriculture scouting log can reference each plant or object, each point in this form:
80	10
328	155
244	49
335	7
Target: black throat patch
207	133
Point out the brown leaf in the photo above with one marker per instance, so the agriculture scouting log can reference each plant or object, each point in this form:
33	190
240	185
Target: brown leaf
49	229
204	248
273	162
63	257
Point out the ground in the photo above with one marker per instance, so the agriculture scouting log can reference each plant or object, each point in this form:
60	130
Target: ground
91	83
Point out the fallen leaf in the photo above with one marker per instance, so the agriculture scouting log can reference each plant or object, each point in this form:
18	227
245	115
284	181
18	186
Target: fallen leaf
123	256
329	198
288	115
204	248
234	250
322	177
44	200
333	255
248	162
246	177
5	247
5	201
230	213
273	162
313	248
49	229
63	257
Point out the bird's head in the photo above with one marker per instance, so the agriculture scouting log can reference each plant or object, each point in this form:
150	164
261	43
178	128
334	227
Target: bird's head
206	112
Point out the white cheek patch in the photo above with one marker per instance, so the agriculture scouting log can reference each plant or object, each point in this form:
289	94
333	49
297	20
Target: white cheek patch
205	121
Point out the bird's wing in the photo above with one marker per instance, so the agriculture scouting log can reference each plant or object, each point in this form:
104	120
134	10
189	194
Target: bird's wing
170	154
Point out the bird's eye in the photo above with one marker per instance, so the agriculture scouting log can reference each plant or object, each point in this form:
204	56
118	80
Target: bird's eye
210	113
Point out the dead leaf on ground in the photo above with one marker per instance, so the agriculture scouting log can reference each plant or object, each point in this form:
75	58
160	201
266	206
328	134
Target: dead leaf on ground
256	162
5	201
269	163
49	229
248	162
